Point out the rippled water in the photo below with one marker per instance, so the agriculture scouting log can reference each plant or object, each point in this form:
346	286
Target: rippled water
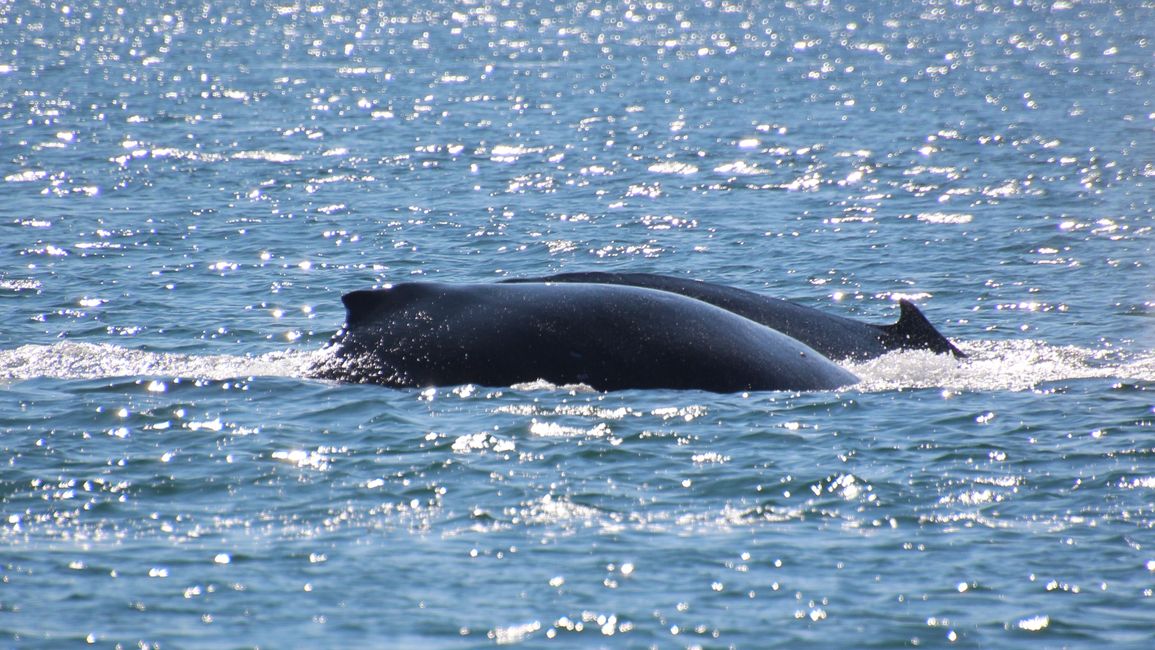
189	188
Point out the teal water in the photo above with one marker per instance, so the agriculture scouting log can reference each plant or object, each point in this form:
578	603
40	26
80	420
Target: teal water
188	189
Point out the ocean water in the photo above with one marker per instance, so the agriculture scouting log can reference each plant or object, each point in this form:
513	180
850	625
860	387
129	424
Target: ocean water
189	187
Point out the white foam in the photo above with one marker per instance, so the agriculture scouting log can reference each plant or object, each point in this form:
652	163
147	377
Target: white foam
1000	365
991	365
76	360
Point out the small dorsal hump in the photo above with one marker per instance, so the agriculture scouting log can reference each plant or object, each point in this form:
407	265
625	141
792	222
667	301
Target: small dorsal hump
914	332
366	304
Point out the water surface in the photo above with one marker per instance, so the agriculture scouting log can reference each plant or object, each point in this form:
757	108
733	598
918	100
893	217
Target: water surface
190	187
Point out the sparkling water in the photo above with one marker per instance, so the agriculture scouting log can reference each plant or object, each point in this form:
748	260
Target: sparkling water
189	187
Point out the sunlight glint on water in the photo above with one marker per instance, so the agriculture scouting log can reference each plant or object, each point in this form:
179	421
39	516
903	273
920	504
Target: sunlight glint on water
188	190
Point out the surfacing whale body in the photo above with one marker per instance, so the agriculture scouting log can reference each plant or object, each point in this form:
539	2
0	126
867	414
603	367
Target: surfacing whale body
608	336
834	336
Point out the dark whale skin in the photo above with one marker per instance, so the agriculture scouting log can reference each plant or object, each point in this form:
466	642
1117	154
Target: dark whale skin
837	337
607	336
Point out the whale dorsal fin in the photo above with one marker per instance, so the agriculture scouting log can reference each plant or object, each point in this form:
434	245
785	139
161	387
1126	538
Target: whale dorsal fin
914	332
366	305
359	305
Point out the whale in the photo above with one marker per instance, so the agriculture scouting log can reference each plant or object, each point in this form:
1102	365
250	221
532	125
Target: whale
836	337
603	335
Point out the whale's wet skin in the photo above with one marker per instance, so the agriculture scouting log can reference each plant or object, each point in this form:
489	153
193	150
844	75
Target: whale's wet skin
607	336
835	336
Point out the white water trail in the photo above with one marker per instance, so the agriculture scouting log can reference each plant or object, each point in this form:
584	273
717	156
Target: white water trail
991	365
76	360
1001	365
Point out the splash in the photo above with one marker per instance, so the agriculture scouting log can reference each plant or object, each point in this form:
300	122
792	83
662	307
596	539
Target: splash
1000	365
991	365
75	360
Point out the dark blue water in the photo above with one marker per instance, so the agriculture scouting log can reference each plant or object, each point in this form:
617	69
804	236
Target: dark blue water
188	189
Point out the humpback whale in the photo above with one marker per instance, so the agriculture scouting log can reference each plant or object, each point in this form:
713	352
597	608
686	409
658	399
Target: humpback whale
606	335
836	337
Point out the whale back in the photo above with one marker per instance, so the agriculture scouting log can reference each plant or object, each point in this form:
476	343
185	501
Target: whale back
834	336
913	331
365	306
607	336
